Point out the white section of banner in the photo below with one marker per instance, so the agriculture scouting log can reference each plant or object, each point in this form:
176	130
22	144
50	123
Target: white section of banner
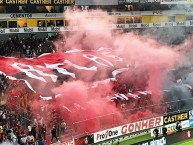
128	128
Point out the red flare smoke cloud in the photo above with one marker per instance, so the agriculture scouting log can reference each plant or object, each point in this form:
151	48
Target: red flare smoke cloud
93	34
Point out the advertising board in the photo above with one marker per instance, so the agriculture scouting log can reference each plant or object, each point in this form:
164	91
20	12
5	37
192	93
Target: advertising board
36	2
171	128
113	26
97	14
170	2
191	118
31	15
169	139
33	30
166	13
128	128
169	119
191	122
158	141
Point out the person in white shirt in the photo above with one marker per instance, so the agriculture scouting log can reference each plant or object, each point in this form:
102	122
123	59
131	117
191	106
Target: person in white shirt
29	129
24	140
14	139
4	117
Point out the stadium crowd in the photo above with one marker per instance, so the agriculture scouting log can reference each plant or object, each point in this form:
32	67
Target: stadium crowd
27	47
19	125
12	129
142	6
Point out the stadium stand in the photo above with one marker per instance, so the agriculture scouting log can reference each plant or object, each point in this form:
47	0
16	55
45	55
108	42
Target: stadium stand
27	47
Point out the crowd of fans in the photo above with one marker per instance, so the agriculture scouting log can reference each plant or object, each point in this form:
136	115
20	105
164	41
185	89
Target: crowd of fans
132	7
143	5
12	130
27	47
140	6
20	126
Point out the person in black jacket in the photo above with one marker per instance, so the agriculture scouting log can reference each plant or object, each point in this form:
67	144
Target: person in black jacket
178	126
43	131
33	131
54	135
164	130
156	133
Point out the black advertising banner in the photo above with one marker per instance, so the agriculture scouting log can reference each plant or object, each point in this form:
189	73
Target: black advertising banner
168	140
169	119
36	2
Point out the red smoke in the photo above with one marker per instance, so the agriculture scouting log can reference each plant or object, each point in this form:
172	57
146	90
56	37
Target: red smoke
86	106
82	107
86	109
146	53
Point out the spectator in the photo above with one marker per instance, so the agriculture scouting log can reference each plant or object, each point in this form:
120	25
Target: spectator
63	127
39	134
1	135
29	129
30	140
41	142
25	25
164	130
14	140
178	126
54	135
33	131
6	128
156	133
4	117
43	131
24	139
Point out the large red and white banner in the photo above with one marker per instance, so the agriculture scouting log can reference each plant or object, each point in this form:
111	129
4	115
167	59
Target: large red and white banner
127	128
